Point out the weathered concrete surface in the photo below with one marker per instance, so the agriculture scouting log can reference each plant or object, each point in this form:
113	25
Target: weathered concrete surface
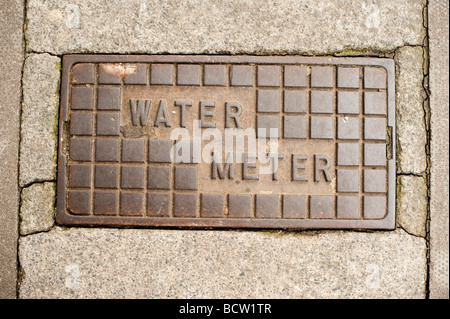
412	204
11	59
140	263
39	118
37	208
439	206
200	26
411	130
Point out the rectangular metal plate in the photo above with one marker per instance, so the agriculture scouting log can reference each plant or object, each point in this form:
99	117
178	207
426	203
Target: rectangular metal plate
227	141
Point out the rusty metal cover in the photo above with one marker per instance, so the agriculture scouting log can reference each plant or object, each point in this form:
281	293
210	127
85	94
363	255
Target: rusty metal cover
227	141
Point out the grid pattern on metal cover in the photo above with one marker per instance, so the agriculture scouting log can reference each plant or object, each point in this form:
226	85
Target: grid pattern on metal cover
332	118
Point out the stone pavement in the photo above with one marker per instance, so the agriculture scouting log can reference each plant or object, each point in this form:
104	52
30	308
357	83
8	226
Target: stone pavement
66	262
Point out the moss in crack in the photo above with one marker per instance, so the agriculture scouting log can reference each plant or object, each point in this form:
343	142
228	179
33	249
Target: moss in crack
427	110
369	52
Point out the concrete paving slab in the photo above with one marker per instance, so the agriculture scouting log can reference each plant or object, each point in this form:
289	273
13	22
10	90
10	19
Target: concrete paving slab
39	125
139	263
412	202
11	57
439	202
37	208
411	131
199	26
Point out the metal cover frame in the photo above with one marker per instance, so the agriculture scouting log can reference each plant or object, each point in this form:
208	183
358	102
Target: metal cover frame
64	218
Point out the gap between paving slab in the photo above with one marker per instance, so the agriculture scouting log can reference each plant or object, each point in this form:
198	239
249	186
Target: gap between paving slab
98	263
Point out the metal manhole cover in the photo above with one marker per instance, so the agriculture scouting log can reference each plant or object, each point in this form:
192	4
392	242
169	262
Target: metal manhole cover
227	141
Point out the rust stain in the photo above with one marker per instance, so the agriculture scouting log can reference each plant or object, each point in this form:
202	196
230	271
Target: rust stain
120	69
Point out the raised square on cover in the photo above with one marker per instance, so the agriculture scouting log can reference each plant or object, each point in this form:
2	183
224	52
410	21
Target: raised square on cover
83	73
82	98
295	76
348	102
131	204
215	75
108	98
348	154
108	123
269	101
375	154
374	78
132	177
158	177
158	205
105	203
161	74
107	73
186	151
269	75
374	207
294	127
81	124
321	207
267	206
184	205
79	202
294	206
295	101
321	127
212	205
375	129
242	75
348	180
348	77
80	149
159	151
347	207
139	76
375	103
107	150
106	176
374	181
186	177
321	102
322	76
80	175
348	128
188	74
239	205
268	125
133	150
